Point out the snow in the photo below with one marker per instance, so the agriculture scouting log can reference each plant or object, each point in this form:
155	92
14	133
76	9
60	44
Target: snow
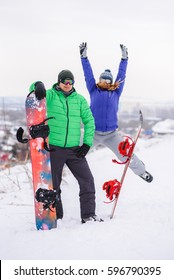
2	133
142	228
166	126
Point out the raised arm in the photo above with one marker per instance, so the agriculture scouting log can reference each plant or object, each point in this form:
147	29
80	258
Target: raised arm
120	78
87	69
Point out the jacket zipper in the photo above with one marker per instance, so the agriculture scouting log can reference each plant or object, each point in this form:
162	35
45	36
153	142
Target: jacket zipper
67	123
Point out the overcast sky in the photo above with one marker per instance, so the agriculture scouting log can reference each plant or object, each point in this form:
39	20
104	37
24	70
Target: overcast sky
39	38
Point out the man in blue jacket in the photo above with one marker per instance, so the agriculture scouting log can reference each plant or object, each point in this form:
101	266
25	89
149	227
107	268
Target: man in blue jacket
104	98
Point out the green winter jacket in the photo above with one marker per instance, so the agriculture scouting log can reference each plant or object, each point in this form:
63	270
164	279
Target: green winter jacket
68	112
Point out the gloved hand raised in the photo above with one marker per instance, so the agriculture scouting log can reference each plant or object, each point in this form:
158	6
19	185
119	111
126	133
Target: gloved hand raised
83	50
82	151
40	91
124	51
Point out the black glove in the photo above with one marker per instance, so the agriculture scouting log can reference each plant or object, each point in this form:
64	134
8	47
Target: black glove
40	91
83	50
82	151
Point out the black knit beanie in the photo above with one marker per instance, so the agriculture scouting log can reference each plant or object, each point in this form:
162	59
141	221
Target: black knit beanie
65	74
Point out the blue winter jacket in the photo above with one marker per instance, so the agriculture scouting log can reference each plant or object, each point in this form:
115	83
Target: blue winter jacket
104	103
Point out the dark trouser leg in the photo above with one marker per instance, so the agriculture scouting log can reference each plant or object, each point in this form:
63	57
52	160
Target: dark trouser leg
58	158
81	171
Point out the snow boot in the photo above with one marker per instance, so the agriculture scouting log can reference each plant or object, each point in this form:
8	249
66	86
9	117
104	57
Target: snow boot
92	219
147	177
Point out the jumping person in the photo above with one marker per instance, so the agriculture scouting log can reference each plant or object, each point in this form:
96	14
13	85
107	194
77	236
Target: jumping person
104	101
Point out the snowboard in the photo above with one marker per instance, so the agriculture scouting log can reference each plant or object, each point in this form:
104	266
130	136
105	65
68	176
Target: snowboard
113	187
40	160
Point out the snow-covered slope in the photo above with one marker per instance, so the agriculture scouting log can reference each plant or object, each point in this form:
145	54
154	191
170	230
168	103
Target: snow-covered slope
143	226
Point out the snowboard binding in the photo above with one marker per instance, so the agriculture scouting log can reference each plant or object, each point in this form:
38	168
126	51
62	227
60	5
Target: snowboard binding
39	130
112	189
49	198
125	148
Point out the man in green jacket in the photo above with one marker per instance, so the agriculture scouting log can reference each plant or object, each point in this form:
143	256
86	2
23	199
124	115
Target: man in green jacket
69	109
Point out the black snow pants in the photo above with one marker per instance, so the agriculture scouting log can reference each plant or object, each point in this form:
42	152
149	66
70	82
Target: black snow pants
81	171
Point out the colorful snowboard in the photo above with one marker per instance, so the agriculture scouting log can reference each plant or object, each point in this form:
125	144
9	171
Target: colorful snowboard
40	160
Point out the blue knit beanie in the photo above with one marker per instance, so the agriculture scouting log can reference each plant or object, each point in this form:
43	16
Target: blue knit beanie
106	75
